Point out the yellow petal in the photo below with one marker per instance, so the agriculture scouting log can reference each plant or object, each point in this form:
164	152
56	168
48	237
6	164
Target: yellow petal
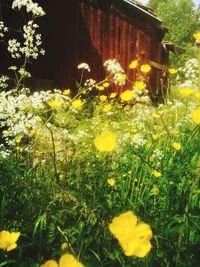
123	226
68	260
50	263
138	249
11	246
14	237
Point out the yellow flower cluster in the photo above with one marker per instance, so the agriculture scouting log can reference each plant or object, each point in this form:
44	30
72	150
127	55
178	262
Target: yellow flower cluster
106	141
103	86
8	240
66	260
133	237
66	92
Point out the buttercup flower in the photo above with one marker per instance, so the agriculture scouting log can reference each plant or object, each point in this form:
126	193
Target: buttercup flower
196	115
106	84
103	98
111	182
8	240
77	103
100	87
66	260
156	173
145	68
66	92
197	36
133	237
186	91
113	95
106	141
172	71
107	108
127	95
176	145
54	104
133	64
139	85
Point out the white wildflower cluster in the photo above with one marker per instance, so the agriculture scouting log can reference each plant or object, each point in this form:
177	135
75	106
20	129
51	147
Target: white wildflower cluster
3	82
24	73
31	7
190	73
115	70
14	48
22	113
31	47
4	152
3	29
90	84
84	66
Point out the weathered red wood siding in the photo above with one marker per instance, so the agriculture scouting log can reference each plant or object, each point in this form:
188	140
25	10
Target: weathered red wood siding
79	31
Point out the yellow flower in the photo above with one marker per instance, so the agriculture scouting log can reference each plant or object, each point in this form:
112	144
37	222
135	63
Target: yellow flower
106	141
103	98
145	68
18	148
33	132
156	173
127	95
66	260
66	92
113	95
133	237
5	132
139	85
196	115
107	108
197	94
106	84
176	145
133	64
154	191
111	182
100	87
77	103
54	104
154	115
64	245
197	36
8	240
186	91
172	71
155	136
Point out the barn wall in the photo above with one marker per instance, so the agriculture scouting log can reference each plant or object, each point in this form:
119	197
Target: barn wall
76	31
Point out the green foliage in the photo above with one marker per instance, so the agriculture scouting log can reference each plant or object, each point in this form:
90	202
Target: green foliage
182	20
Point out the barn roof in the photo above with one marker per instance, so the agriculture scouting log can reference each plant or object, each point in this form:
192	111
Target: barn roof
143	8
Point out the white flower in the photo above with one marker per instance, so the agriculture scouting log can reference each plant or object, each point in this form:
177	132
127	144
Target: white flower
84	66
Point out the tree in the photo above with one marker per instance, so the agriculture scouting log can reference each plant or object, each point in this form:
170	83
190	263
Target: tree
182	20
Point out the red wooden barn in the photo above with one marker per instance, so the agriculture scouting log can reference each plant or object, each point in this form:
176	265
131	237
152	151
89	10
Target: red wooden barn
93	31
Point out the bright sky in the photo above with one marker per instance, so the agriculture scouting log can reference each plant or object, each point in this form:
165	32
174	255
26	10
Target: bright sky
146	1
